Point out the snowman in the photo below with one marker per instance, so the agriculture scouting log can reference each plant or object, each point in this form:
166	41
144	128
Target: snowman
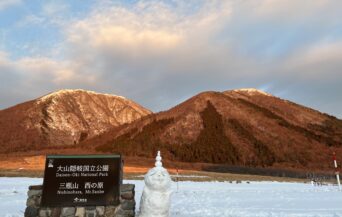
155	199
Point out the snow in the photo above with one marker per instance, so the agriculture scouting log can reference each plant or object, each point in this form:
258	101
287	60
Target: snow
68	91
252	91
219	199
13	195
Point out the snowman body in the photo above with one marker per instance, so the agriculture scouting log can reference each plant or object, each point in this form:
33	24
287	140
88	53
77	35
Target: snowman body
155	199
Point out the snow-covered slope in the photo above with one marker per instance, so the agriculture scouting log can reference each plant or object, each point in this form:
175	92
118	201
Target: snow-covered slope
65	117
214	199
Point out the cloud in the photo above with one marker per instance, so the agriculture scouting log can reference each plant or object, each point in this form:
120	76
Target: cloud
158	52
31	77
322	60
8	3
31	20
166	54
148	45
289	9
144	27
53	8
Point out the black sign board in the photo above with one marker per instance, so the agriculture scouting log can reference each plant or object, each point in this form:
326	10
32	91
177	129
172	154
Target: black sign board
82	180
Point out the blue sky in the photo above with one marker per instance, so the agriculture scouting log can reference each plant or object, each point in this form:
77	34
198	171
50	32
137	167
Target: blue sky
30	28
159	53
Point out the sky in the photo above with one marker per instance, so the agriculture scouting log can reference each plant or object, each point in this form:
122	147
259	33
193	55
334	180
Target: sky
159	53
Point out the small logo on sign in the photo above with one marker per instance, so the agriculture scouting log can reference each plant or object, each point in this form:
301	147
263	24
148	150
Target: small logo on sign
80	200
50	164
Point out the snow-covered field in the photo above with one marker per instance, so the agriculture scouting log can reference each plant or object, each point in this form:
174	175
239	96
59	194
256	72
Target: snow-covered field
220	199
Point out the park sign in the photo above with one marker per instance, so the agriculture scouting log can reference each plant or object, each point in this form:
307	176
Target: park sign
82	180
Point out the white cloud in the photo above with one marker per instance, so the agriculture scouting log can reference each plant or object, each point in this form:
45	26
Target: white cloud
3	57
317	62
30	20
289	9
38	72
144	27
8	3
157	52
54	8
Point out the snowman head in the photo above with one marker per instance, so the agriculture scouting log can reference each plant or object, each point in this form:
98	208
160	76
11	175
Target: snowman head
158	178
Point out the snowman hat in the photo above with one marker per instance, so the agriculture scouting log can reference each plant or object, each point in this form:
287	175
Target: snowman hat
158	160
158	166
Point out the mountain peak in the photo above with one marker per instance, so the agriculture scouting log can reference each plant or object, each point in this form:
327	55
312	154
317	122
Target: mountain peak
63	92
248	126
65	117
252	91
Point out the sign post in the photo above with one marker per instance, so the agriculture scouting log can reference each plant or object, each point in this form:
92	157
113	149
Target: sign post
337	172
177	179
82	180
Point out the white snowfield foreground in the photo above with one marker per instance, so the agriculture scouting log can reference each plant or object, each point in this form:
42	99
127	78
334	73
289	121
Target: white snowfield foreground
219	199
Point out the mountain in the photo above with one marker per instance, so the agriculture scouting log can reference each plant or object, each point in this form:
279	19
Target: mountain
244	127
64	118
